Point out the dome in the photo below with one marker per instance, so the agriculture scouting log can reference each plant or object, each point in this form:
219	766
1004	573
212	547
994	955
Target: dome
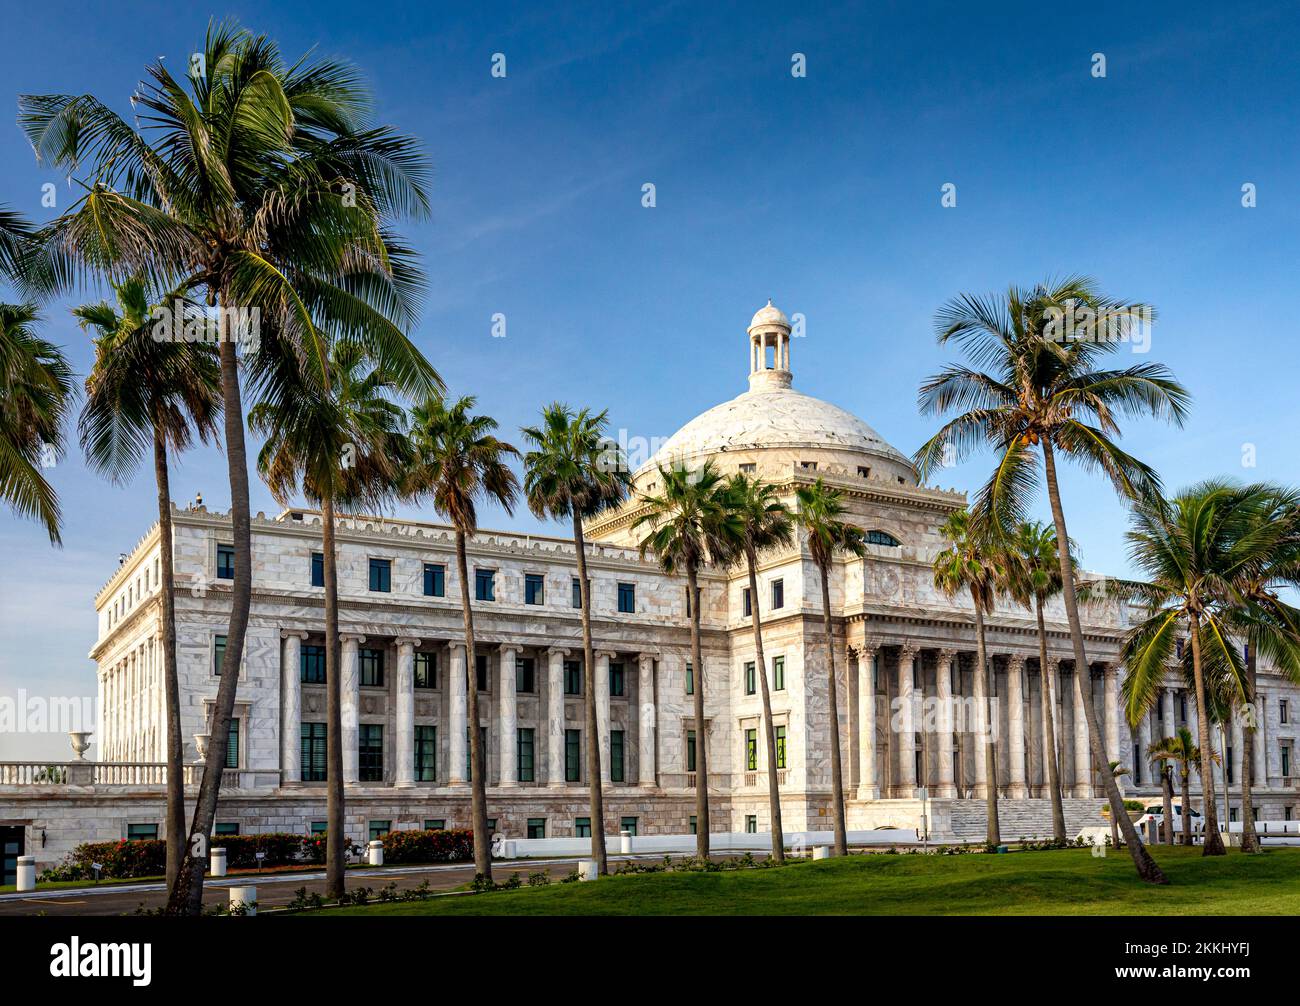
767	316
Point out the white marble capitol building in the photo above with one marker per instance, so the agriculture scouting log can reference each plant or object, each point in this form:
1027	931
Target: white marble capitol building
404	667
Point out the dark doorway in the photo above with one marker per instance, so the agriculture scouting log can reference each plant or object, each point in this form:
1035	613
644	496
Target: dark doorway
11	847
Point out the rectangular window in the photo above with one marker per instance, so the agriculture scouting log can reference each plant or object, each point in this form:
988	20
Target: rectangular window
627	598
751	824
751	679
426	754
690	679
778	674
690	750
370	752
1283	711
572	678
378	829
1228	764
810	466
313	752
318	569
572	755
225	562
534	588
525	675
1286	761
748	467
426	670
371	660
778	594
694	827
218	653
616	678
582	827
435	824
577	592
627	824
524	754
141	832
616	756
745	606
318	827
780	747
226	828
435	580
864	472
312	660
751	750
481	671
232	744
381	575
537	827
485	584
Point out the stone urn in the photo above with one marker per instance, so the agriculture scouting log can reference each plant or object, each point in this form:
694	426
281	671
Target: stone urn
80	742
201	744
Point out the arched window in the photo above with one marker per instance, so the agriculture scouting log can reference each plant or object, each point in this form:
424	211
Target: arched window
882	538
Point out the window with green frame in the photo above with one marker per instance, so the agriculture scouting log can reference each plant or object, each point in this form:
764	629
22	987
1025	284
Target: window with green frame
225	828
426	670
318	569
426	754
627	824
312	661
319	827
481	675
582	827
313	752
780	747
141	832
690	679
381	575
751	750
232	744
536	827
435	824
225	562
572	755
370	752
751	824
524	754
617	677
778	674
616	756
534	588
627	598
218	653
485	584
378	829
525	675
435	579
572	677
371	660
694	826
751	680
690	750
577	593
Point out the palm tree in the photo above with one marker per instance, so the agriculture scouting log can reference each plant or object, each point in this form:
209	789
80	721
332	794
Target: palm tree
1194	548
575	471
1034	578
968	563
687	525
344	445
145	393
765	524
1116	770
1180	749
1045	391
460	463
263	188
820	509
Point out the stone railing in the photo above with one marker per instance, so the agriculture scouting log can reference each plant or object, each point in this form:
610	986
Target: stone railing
687	780
148	774
752	780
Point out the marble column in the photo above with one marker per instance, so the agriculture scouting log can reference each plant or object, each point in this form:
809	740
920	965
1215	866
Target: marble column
1110	703
1238	751
907	659
981	729
1145	771
868	785
291	716
1167	724
645	720
602	711
555	717
945	725
1016	788
350	682
1261	740
1082	755
457	715
404	776
509	718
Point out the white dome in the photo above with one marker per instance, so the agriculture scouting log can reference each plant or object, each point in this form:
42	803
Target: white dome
769	315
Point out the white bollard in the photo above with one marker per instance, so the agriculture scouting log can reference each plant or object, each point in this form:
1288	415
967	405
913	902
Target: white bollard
245	898
624	841
218	861
376	853
509	850
588	869
821	852
26	873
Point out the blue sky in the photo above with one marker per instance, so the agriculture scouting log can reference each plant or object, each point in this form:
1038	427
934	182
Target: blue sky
821	192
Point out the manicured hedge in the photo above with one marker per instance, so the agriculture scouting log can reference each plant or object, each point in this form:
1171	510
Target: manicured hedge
453	846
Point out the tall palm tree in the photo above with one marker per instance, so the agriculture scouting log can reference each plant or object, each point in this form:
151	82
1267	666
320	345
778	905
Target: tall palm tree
1115	770
1180	750
143	394
575	471
818	516
1045	390
765	523
344	445
460	463
264	188
688	525
968	563
1034	577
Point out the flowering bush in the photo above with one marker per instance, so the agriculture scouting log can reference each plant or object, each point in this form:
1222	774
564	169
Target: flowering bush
453	846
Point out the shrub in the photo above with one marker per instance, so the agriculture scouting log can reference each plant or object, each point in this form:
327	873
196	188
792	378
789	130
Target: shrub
455	846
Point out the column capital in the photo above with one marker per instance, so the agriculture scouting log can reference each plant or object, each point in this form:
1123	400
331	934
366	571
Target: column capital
508	648
947	654
454	646
645	655
557	651
604	654
292	634
410	641
1015	661
1109	668
351	637
908	649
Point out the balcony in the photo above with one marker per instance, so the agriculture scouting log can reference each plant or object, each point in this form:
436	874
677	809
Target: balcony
752	780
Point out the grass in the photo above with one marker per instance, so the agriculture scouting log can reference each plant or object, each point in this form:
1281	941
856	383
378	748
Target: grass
1065	882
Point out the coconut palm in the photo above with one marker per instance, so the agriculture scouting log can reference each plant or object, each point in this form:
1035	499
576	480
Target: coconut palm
968	564
1180	750
1043	389
1116	770
765	523
263	188
575	471
343	445
459	464
690	524
145	394
819	511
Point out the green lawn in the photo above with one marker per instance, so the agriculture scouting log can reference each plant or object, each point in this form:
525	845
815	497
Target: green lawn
1067	882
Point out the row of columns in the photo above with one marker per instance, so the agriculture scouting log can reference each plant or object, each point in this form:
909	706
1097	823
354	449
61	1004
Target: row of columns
131	706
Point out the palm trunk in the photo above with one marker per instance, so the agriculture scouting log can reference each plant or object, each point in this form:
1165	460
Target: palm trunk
1114	834
1167	786
187	893
335	828
593	721
760	664
1048	703
477	763
1213	845
1186	774
1249	838
837	769
701	747
171	685
993	832
1146	867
